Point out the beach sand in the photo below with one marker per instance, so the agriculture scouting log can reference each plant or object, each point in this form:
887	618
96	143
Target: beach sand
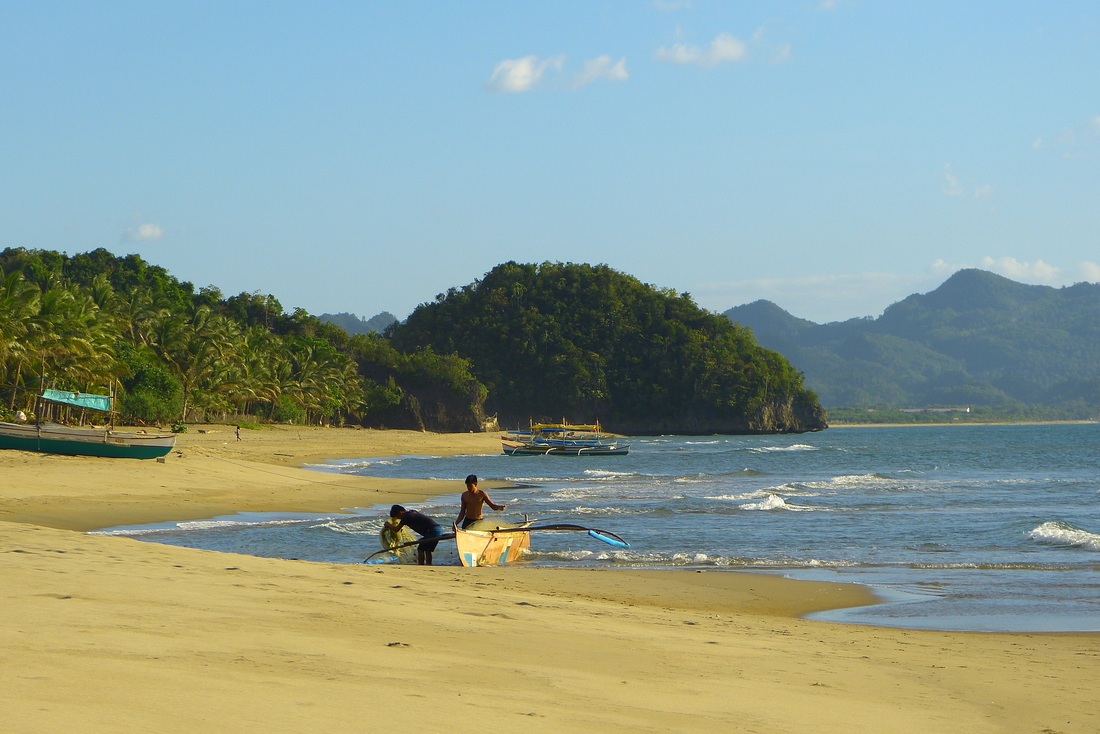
112	634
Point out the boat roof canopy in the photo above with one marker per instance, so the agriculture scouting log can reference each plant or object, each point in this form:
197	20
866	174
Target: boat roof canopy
547	427
79	399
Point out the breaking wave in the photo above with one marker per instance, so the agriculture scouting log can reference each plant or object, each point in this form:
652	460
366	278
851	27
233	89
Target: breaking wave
794	447
1065	535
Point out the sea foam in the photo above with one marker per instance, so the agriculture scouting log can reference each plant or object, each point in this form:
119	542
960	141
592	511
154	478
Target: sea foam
794	447
771	502
755	494
1064	534
213	524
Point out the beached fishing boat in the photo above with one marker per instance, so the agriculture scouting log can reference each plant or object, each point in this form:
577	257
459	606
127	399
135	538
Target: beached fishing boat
490	543
482	543
55	438
562	439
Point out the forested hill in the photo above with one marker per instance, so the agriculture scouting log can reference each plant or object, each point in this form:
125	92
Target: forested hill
587	342
979	340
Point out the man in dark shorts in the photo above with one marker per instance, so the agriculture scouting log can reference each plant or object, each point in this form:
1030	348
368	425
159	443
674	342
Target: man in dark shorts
422	525
472	503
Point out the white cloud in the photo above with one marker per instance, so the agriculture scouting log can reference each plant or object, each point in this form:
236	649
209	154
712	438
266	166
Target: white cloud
521	75
724	48
1089	271
601	67
524	74
1080	141
679	53
819	298
952	187
1082	134
144	233
1035	272
781	54
944	268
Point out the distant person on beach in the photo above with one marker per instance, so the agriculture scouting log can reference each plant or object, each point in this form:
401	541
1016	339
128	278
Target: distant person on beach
473	502
422	525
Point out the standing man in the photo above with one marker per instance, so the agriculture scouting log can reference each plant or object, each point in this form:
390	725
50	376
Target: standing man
422	525
473	501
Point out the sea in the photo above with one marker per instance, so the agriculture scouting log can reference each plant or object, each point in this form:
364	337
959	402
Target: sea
959	527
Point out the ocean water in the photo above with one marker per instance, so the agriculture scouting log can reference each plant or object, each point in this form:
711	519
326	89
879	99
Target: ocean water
988	528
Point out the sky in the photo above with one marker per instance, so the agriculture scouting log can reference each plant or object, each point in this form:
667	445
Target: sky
831	156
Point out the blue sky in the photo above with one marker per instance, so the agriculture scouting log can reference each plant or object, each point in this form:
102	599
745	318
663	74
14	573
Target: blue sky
832	157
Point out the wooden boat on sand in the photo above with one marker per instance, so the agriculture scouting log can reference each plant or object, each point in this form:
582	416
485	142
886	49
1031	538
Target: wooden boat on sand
54	438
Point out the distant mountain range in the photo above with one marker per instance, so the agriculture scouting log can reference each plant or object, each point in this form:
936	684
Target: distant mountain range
352	324
979	339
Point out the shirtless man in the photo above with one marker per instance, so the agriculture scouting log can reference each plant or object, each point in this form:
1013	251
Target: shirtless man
473	501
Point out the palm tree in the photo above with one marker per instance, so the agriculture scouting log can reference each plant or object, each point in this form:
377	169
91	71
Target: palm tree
197	347
71	340
139	312
18	304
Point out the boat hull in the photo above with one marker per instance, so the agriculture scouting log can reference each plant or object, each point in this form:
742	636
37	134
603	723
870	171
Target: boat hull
486	548
57	439
551	450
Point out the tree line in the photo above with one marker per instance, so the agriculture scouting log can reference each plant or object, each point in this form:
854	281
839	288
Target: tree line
526	342
174	353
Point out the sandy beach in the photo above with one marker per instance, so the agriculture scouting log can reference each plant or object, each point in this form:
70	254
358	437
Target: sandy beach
112	634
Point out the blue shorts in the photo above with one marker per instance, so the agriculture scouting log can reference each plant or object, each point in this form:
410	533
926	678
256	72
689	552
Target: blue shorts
429	545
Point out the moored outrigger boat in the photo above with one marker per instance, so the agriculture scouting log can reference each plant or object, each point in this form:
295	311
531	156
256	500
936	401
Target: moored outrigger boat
489	543
562	439
539	448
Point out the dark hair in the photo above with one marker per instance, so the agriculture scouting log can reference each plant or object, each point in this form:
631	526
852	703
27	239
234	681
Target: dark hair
396	510
472	479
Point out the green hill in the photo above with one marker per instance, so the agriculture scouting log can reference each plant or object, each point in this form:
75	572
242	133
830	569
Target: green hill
587	342
979	339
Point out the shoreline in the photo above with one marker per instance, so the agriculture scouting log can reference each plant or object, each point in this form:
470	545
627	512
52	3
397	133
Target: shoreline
107	634
961	424
209	473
